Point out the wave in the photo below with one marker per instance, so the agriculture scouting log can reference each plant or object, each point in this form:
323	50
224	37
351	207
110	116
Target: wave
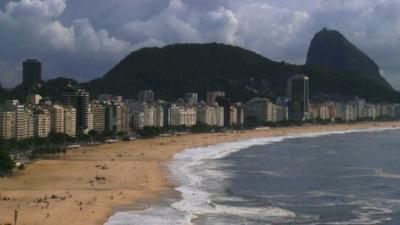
190	170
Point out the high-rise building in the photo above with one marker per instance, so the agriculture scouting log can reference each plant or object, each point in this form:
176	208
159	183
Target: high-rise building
370	111
182	116
150	115
298	92
30	117
80	101
21	119
124	118
232	116
57	118
70	121
260	109
153	115
360	105
33	99
137	120
320	111
239	114
98	112
42	123
212	96
226	104
110	117
146	96
159	117
191	98
32	72
332	110
346	112
212	115
7	124
386	110
162	113
279	113
90	121
116	117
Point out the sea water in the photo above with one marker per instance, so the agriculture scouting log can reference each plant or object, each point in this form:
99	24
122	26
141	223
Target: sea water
350	177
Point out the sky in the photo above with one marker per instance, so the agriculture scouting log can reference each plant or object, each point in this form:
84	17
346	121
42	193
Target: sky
83	39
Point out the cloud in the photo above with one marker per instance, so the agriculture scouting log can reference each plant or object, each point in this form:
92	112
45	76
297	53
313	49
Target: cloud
35	9
93	35
32	28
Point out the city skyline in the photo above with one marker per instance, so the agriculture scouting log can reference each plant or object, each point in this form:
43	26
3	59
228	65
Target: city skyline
72	32
78	116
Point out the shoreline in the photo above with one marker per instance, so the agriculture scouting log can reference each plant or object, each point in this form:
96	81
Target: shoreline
87	185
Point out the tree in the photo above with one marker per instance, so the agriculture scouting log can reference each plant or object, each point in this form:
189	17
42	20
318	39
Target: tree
6	163
96	136
148	132
56	138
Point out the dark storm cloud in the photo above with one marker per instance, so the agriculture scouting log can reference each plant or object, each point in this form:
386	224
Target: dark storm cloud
83	39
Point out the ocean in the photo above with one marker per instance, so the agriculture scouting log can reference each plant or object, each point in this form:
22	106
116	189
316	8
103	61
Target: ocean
328	178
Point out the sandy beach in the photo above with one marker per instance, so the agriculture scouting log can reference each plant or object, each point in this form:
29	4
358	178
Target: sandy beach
86	185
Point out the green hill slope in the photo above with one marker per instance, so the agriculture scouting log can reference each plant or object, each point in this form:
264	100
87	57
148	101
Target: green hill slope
173	70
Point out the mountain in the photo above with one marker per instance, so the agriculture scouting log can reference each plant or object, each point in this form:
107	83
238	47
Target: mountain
3	94
175	69
50	89
330	49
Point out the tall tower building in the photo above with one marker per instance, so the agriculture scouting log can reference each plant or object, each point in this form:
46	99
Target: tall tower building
226	103
298	92
80	101
57	118
111	118
259	108
137	120
21	119
30	117
124	118
32	72
150	115
98	112
7	124
42	124
159	116
70	121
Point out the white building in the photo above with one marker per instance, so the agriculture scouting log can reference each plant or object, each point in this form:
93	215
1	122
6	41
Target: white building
22	119
137	120
7	124
212	115
182	116
70	121
159	116
33	99
42	124
57	118
279	113
149	115
259	108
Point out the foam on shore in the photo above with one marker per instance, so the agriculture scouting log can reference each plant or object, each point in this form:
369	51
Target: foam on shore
191	169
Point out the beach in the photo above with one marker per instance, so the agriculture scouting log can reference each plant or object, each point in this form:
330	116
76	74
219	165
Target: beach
87	185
